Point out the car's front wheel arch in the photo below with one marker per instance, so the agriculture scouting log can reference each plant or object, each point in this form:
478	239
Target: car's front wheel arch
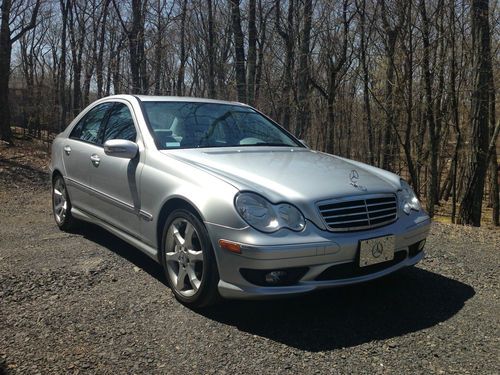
55	173
168	207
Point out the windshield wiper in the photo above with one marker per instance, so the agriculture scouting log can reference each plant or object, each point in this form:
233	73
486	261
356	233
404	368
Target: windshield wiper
271	144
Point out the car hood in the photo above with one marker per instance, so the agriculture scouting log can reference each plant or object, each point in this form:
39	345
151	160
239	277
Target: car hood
296	175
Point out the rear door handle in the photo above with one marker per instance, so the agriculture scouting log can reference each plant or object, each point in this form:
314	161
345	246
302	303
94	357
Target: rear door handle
67	150
95	159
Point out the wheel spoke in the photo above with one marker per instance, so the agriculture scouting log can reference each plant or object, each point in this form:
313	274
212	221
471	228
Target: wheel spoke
172	256
57	192
59	206
188	235
177	237
181	276
193	280
195	256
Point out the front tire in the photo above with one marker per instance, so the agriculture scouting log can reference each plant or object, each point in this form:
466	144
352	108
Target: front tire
61	205
188	260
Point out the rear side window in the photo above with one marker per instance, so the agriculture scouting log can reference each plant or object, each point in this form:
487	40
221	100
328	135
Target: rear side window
89	127
120	124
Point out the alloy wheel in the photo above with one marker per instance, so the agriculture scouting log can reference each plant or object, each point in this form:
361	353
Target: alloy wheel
60	203
184	257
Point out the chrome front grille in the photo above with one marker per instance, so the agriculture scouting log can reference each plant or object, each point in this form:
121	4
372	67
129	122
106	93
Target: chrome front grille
359	213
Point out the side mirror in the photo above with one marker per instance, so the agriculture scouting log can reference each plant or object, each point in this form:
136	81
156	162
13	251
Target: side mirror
121	148
304	143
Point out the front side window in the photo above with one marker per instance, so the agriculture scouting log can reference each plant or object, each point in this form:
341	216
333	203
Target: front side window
89	127
120	124
192	125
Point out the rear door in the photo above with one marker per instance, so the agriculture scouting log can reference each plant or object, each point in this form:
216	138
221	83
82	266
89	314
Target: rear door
84	139
116	180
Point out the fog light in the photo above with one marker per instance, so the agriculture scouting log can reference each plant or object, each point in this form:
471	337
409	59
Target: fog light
275	277
416	248
421	245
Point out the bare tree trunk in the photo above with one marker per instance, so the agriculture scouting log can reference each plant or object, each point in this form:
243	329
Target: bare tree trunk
211	52
6	42
64	6
391	37
494	188
5	56
139	19
260	54
432	191
252	52
455	118
439	99
288	39
470	208
135	35
366	80
100	54
239	50
182	62
158	49
407	145
77	37
303	113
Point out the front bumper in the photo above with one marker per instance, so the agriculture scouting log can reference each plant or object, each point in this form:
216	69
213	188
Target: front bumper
313	248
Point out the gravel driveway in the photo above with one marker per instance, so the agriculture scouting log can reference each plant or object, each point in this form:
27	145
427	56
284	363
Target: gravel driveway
89	303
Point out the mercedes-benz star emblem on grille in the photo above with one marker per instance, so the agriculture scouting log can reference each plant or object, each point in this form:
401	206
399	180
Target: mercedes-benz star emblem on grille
354	177
377	249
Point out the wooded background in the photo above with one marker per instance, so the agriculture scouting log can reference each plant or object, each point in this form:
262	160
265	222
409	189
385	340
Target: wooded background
407	85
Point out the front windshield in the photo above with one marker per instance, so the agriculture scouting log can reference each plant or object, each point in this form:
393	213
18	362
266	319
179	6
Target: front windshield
192	125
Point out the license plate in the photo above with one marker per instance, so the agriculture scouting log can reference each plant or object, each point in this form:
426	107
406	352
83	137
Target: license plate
376	250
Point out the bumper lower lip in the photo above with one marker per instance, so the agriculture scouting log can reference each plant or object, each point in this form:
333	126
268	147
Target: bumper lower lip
228	290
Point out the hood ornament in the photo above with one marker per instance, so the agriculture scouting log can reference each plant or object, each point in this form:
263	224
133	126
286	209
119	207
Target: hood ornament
354	177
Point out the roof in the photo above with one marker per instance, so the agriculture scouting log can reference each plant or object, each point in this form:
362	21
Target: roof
154	98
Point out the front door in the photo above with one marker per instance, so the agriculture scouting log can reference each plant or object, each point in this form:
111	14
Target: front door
115	180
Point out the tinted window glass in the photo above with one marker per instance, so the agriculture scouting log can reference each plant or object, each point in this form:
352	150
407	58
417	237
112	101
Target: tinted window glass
120	124
190	125
88	129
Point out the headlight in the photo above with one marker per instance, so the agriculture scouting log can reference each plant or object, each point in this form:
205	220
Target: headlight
264	216
407	199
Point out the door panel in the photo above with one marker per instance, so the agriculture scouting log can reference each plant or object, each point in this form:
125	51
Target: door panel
82	142
76	165
116	180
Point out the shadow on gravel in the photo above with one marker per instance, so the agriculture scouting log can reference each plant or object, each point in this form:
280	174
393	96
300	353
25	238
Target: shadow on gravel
15	172
407	301
3	369
102	237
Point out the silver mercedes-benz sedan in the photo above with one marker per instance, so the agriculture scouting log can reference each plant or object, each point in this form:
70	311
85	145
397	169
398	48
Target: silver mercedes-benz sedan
228	202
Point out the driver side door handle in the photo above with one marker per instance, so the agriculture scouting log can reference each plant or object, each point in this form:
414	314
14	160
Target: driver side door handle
95	159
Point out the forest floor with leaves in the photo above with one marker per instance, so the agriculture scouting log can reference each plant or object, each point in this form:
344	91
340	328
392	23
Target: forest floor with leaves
87	302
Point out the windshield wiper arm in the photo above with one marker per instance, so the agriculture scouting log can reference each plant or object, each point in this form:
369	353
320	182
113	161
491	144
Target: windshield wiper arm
271	144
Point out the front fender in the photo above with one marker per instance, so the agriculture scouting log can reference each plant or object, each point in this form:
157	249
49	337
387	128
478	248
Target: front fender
164	178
